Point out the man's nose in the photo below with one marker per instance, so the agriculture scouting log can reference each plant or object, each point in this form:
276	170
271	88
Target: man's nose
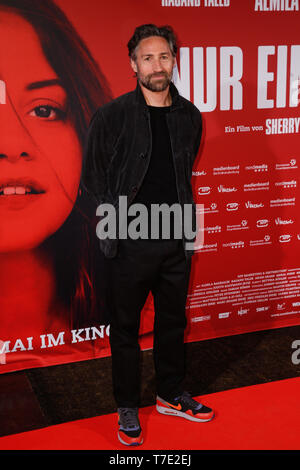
157	66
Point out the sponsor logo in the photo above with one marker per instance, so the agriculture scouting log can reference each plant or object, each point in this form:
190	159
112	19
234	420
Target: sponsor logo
287	184
279	221
202	318
282	202
216	228
204	190
256	186
253	205
265	308
242	226
281	306
224	314
291	165
234	245
243	311
226	170
261	223
257	168
232	206
264	241
285	238
224	189
212	209
207	247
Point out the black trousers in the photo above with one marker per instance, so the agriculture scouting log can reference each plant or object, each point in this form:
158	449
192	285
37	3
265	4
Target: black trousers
141	266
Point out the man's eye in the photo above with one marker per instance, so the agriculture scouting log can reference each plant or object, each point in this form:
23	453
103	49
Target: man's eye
47	112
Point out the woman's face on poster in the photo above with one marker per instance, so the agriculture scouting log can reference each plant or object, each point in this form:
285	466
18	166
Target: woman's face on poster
40	154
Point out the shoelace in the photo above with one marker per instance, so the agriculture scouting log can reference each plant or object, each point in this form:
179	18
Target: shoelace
128	418
189	401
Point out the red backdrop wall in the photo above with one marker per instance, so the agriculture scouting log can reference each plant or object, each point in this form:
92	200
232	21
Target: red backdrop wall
239	63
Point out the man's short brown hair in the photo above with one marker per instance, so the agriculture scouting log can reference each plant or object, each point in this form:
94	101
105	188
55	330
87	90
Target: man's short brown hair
147	30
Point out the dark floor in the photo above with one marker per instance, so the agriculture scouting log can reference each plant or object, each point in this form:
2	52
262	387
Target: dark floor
41	397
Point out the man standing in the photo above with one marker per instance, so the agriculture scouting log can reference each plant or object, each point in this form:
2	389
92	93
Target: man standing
142	145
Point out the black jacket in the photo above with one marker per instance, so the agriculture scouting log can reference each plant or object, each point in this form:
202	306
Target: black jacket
118	150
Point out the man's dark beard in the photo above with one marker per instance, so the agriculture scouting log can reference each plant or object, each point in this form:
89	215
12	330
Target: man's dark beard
160	85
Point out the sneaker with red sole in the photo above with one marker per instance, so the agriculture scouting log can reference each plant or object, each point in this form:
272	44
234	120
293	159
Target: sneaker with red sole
186	407
130	432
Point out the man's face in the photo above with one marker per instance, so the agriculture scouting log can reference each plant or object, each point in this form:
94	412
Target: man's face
154	63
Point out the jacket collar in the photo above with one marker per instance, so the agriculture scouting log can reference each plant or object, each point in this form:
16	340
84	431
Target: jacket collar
176	103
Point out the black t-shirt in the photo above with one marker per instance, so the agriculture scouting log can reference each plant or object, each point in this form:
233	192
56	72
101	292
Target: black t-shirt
159	184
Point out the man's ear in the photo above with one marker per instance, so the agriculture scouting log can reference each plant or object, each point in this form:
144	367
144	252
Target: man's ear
133	65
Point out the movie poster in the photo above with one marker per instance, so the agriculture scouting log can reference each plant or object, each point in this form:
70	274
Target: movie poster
60	60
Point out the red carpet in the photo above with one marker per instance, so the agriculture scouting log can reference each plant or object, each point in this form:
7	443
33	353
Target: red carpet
260	417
